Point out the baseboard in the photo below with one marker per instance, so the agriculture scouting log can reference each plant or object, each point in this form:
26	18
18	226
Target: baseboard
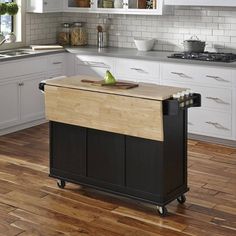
22	126
208	139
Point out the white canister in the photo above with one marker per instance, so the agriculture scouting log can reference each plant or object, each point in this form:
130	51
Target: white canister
118	3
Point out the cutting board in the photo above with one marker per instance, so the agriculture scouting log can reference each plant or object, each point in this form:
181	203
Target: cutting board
46	47
118	84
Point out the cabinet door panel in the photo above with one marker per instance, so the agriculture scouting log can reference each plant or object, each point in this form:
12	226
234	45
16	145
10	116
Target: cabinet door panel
32	100
143	168
9	98
69	149
106	153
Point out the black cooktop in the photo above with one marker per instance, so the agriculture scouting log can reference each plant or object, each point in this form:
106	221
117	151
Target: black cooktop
205	56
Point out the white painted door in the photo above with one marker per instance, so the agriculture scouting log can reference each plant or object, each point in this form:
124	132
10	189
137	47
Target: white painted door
9	107
32	99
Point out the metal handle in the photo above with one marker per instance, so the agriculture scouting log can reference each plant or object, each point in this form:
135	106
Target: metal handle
217	100
125	4
217	78
45	3
217	125
21	84
189	123
57	62
182	75
139	70
91	2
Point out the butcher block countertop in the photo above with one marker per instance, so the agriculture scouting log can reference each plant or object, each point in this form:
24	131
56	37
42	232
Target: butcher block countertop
144	90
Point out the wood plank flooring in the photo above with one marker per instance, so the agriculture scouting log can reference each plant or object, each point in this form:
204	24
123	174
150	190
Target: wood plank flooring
31	203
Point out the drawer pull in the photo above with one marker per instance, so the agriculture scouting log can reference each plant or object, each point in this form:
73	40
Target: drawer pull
217	100
139	70
217	78
217	125
189	123
57	62
182	75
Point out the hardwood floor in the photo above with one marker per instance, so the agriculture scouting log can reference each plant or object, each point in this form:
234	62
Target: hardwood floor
31	203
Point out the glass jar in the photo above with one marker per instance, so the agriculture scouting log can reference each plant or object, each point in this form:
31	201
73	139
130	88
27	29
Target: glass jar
64	34
79	34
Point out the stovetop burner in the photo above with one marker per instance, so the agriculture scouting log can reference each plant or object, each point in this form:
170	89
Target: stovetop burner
206	56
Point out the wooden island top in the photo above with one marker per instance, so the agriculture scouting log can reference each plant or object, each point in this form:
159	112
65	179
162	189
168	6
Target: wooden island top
144	90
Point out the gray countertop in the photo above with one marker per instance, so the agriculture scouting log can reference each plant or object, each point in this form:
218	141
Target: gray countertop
133	53
130	53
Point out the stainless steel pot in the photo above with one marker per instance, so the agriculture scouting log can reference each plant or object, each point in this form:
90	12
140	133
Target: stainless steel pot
194	45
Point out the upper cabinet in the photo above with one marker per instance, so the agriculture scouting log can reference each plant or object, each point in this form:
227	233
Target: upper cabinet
225	3
138	7
44	6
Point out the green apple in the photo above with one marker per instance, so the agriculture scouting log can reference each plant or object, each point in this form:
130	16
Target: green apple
109	78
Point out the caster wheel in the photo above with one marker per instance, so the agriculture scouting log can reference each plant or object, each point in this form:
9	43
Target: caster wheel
61	184
181	199
162	210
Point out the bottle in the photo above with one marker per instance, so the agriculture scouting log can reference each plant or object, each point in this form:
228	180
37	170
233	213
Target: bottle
64	34
79	36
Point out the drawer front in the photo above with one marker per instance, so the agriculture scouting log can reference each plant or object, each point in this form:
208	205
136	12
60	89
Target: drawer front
119	114
219	99
91	71
56	62
94	61
197	75
23	67
137	69
210	123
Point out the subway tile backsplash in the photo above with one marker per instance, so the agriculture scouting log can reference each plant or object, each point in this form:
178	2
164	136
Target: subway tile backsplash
216	26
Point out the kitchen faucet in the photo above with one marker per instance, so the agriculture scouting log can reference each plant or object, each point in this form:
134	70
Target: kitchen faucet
3	41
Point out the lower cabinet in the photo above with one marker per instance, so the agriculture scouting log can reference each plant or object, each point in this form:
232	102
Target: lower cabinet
106	157
69	149
129	166
20	100
9	99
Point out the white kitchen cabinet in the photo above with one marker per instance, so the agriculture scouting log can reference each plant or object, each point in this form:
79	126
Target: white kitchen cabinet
93	65
137	70
20	100
216	117
31	98
9	99
225	3
56	65
44	6
126	7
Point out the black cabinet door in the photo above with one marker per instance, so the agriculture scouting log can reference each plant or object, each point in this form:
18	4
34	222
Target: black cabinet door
144	165
68	149
106	154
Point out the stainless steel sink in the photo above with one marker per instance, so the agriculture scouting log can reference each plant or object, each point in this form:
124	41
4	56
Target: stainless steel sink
14	53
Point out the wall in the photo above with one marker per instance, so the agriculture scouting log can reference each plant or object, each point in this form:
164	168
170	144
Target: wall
215	25
42	28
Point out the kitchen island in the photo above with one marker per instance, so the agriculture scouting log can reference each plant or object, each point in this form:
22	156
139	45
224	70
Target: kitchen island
128	142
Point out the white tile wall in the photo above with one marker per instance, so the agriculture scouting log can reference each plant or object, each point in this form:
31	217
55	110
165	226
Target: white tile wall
215	25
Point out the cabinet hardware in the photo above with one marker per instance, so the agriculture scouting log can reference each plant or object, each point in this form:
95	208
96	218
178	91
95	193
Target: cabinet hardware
182	75
217	125
21	84
139	70
217	78
189	123
57	62
217	100
45	3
